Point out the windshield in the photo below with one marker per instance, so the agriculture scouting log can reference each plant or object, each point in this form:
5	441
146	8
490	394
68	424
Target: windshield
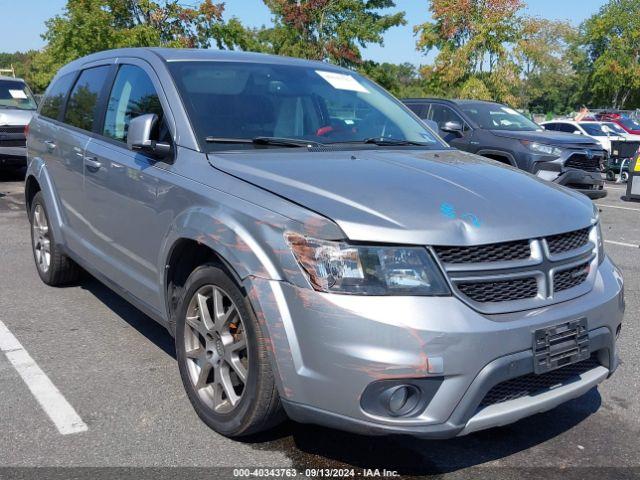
615	127
629	123
233	101
594	129
16	94
497	117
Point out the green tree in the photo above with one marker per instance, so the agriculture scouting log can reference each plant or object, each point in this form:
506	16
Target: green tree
608	54
88	26
543	54
332	30
402	80
473	39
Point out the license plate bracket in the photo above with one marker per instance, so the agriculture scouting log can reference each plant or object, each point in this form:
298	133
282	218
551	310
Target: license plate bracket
560	345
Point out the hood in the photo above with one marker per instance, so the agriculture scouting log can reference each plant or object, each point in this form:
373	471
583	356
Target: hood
15	116
560	139
414	196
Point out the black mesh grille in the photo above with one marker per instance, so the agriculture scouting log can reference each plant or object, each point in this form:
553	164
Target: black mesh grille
496	252
12	129
582	162
573	277
515	289
532	384
568	241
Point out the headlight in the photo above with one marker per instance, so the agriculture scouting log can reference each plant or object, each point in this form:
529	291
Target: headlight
339	267
542	148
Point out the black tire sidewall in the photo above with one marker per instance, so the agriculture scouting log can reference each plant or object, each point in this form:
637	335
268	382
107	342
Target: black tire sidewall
234	422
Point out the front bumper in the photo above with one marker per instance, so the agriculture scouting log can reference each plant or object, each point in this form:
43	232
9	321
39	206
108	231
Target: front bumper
13	157
328	348
590	183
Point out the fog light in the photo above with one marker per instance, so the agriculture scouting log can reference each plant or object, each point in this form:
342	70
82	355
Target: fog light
402	399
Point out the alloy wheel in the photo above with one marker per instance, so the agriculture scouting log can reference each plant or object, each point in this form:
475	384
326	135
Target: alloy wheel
41	239
216	349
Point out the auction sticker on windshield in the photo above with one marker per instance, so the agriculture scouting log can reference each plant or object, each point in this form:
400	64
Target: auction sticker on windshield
19	94
341	81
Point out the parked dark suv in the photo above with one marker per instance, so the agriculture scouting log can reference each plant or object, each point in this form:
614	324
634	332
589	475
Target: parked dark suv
499	132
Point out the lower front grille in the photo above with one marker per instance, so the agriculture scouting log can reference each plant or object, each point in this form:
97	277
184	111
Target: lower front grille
582	162
501	291
532	384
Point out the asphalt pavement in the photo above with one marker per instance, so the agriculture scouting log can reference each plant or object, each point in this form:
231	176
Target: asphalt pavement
116	370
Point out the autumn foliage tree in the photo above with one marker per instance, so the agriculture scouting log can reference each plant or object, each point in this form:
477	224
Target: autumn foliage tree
331	30
472	38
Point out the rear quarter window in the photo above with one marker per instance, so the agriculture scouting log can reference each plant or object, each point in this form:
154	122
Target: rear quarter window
56	95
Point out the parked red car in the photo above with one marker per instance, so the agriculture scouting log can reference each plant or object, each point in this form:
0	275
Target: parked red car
625	121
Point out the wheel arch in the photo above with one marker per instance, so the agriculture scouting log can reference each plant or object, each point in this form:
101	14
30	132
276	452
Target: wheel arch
499	156
31	188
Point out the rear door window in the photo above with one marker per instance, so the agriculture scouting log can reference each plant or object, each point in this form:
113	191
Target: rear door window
56	95
421	110
132	95
83	102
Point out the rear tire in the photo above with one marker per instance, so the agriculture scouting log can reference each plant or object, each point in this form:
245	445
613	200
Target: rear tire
55	268
223	357
624	176
611	176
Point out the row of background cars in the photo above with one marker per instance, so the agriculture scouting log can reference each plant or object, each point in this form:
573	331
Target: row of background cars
570	153
566	152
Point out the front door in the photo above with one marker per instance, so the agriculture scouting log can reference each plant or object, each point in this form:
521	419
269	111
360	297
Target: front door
124	190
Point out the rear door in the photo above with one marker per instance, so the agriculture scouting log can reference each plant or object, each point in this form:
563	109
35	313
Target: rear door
71	140
125	190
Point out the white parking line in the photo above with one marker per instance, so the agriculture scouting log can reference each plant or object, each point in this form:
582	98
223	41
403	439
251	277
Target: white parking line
622	244
48	396
615	206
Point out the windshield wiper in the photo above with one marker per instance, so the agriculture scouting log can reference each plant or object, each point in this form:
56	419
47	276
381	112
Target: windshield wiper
277	141
382	141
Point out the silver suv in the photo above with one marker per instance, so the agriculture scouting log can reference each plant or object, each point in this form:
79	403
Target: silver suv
316	250
17	106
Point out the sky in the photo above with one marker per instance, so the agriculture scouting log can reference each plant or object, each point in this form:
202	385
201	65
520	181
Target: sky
22	23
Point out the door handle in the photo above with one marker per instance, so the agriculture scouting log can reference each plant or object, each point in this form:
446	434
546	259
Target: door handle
92	163
50	144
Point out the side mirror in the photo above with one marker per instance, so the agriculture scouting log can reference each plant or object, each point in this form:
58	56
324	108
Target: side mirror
139	137
452	127
577	132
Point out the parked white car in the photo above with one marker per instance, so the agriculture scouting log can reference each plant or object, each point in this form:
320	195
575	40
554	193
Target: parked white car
600	132
618	130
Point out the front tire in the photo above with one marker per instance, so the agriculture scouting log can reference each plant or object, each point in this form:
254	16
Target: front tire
624	176
223	357
54	268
